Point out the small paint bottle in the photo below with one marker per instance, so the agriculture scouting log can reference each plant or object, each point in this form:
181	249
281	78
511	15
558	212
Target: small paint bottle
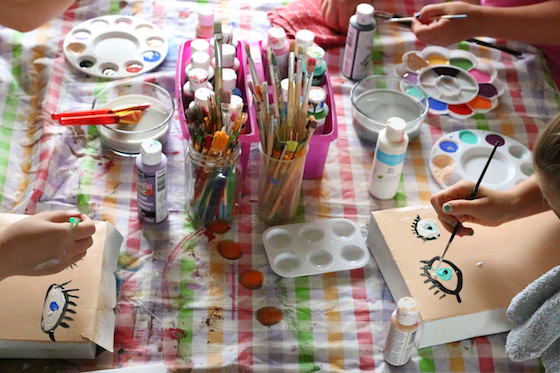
202	97
205	26
390	152
198	78
317	107
229	79
201	60
404	325
280	46
318	53
200	45
359	43
229	61
151	184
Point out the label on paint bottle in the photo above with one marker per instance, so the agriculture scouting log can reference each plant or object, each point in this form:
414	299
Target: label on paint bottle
401	345
388	167
152	196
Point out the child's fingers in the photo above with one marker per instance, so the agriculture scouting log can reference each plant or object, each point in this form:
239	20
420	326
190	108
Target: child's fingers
85	228
83	244
59	216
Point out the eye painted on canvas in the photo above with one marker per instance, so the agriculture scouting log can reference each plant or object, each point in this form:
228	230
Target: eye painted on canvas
425	229
56	306
448	279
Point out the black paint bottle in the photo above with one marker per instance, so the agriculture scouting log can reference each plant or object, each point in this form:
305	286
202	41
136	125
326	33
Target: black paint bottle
359	43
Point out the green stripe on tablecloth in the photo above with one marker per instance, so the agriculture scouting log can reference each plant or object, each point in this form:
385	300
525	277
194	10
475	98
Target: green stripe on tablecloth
400	197
186	297
426	362
202	1
377	55
10	110
87	168
114	7
303	330
481	122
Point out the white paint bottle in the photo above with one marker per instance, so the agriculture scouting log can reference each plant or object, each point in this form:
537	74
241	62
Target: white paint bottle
404	324
359	43
152	182
390	152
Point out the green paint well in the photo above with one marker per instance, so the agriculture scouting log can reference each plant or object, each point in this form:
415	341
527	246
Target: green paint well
468	137
415	92
462	63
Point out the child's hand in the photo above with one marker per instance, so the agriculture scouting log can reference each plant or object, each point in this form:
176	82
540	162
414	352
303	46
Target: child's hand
490	207
44	244
429	29
337	13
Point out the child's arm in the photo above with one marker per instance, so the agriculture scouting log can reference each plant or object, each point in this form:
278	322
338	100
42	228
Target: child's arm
337	13
491	207
536	24
43	244
26	15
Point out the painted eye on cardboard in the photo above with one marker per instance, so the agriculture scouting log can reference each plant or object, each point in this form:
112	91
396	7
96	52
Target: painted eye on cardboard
448	273
425	229
56	305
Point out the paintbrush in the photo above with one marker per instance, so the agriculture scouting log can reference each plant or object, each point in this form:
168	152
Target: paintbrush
410	19
57	116
513	52
120	117
498	142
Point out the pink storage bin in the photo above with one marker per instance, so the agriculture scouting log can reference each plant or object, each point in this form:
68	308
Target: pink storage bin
248	134
319	144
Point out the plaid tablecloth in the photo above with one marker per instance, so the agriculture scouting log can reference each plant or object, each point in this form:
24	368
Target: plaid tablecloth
179	300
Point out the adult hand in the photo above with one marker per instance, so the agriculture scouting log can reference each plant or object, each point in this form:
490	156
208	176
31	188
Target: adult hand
490	207
44	244
429	29
337	13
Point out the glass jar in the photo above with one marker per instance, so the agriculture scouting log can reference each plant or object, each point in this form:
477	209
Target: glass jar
212	186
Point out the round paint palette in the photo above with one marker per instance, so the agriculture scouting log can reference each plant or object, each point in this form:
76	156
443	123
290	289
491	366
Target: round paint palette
463	154
115	46
456	82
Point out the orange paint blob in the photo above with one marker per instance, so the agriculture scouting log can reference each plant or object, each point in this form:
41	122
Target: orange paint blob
229	249
480	103
269	316
218	226
251	279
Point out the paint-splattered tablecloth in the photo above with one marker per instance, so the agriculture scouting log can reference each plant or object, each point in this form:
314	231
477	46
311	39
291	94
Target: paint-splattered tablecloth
179	300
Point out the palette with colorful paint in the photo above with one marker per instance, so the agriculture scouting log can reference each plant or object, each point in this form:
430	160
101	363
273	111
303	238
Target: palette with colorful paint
326	245
462	155
115	46
456	82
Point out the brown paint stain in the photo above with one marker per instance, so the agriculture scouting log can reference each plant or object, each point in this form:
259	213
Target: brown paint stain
251	279
218	226
229	249
269	316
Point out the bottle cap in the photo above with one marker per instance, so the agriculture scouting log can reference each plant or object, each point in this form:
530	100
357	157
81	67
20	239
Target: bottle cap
408	311
276	37
199	45
396	129
364	14
150	151
200	60
284	84
205	16
317	97
229	79
202	95
197	78
304	39
228	55
236	103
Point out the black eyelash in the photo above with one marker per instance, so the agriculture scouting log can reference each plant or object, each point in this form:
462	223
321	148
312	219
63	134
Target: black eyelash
436	284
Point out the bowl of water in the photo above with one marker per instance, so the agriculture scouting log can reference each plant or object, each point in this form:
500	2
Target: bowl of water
378	98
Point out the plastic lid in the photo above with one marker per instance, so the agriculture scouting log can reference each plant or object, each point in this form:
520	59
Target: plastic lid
200	60
408	311
364	14
228	55
276	37
317	95
150	151
284	84
201	96
205	16
396	129
316	52
304	39
199	45
229	78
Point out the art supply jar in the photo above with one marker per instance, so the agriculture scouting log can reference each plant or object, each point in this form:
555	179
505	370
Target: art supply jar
212	186
126	139
281	176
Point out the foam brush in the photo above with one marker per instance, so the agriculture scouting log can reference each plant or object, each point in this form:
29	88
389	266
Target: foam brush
219	143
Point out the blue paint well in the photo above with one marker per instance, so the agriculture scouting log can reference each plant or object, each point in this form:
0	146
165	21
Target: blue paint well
448	146
151	56
437	105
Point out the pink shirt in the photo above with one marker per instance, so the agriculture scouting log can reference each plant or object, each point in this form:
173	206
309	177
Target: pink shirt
551	52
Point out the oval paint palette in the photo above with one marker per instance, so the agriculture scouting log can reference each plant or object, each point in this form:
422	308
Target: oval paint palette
115	46
456	82
462	155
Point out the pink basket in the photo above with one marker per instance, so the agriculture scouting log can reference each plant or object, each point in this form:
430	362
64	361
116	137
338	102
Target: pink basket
319	144
248	134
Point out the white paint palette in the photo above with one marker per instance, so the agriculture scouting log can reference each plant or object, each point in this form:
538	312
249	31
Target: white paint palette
328	245
462	155
115	46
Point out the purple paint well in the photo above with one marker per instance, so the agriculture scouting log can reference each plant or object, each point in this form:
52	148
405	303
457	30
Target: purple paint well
494	139
480	76
487	90
410	77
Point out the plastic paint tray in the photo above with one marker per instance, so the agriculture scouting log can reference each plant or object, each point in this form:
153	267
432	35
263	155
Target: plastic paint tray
115	46
319	143
322	246
248	134
463	154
